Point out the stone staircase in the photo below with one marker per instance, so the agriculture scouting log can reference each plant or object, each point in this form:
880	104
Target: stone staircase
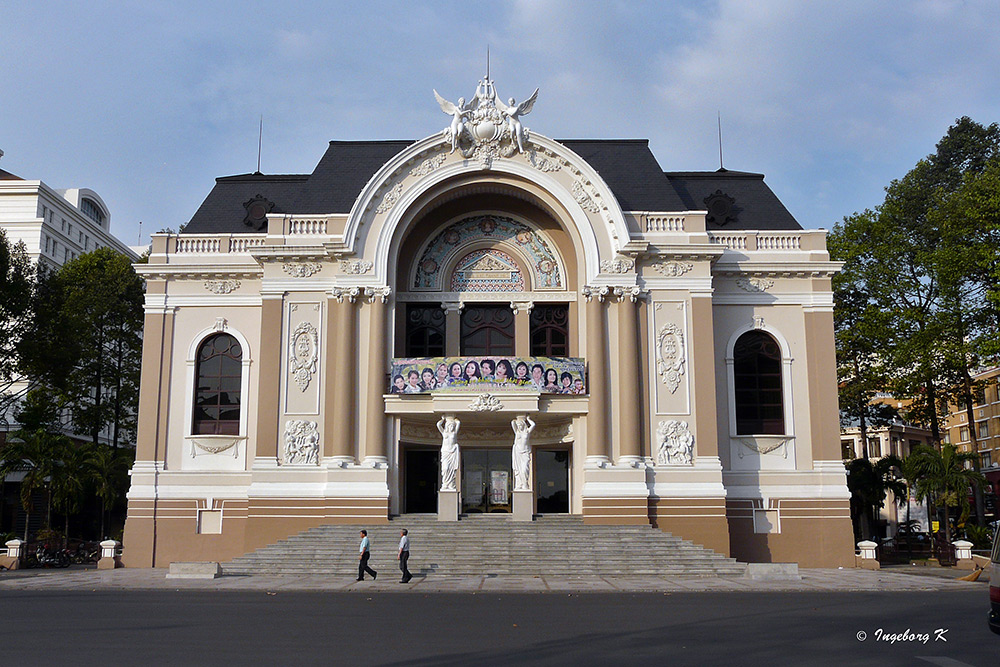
490	545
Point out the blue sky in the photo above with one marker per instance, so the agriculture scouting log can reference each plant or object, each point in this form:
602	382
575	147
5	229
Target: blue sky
147	103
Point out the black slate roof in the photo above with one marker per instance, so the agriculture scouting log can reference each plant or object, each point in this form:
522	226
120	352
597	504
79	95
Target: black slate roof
755	206
627	166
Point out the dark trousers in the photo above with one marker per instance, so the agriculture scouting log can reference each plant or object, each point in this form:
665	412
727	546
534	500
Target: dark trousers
363	566
403	557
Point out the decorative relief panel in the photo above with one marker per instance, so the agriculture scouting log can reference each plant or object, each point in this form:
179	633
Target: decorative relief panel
486	403
301	442
390	198
668	344
303	354
619	264
670	355
672	268
543	434
540	257
675	444
428	165
583	198
754	284
301	269
355	266
487	270
222	286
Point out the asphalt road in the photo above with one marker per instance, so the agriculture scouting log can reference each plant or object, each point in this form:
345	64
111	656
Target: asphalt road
227	628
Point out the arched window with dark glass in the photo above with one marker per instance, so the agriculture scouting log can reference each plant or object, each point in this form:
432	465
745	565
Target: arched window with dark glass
757	374
487	330
425	328
217	387
549	330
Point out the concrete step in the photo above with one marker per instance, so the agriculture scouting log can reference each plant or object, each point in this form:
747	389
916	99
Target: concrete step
491	544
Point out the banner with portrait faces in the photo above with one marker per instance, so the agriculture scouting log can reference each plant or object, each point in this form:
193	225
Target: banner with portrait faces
547	375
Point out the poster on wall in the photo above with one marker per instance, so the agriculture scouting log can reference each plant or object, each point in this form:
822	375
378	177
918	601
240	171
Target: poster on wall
547	375
498	487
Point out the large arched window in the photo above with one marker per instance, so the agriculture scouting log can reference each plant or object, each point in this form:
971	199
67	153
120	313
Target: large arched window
757	375
217	386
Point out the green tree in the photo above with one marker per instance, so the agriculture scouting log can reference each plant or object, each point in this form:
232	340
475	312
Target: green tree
17	280
944	478
98	297
869	482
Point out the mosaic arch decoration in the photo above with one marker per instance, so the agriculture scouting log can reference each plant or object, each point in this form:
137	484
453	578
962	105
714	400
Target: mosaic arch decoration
538	254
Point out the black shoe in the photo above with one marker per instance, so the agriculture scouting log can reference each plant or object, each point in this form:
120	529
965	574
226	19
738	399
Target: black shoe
375	576
402	581
360	579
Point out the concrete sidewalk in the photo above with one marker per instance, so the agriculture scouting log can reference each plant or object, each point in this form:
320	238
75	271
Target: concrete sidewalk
155	579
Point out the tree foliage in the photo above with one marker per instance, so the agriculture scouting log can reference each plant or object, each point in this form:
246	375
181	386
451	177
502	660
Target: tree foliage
918	297
942	476
17	280
85	342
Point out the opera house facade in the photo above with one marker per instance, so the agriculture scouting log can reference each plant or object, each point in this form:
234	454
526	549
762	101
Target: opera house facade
489	321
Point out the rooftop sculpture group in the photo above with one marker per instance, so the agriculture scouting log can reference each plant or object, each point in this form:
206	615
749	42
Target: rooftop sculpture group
485	127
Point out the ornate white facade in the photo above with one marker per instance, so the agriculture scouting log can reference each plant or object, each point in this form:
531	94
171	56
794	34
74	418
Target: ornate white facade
707	403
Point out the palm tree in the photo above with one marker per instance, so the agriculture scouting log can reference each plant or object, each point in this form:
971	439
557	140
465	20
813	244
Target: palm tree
109	470
34	453
70	475
943	478
869	483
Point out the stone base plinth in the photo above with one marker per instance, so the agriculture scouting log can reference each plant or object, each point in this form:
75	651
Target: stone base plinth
447	505
523	506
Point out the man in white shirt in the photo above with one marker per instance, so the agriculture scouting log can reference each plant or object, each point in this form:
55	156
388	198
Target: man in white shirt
363	558
403	556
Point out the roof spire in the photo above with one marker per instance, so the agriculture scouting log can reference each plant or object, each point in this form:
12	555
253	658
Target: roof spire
721	167
260	139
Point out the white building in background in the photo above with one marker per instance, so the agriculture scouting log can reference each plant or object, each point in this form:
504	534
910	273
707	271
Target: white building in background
56	226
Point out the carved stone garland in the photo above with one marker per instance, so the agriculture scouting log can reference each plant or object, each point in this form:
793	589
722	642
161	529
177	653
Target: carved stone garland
486	403
303	354
671	355
222	286
301	269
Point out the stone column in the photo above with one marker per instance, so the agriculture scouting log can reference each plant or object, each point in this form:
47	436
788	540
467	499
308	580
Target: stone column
268	377
452	329
630	424
157	338
339	418
375	453
597	377
522	328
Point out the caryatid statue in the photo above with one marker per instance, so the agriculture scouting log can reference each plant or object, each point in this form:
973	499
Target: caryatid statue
521	454
448	427
458	112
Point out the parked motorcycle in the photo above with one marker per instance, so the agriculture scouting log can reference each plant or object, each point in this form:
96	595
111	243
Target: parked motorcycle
46	557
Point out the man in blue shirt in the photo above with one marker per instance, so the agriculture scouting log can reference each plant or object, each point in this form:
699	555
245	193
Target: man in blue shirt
403	556
363	558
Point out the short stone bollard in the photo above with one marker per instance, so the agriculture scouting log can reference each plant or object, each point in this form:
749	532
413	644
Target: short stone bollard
15	551
963	555
866	558
110	555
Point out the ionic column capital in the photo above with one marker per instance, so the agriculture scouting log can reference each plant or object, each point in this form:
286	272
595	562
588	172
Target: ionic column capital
595	292
380	294
349	294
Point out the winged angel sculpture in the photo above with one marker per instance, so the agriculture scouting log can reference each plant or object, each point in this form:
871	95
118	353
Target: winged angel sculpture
485	119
